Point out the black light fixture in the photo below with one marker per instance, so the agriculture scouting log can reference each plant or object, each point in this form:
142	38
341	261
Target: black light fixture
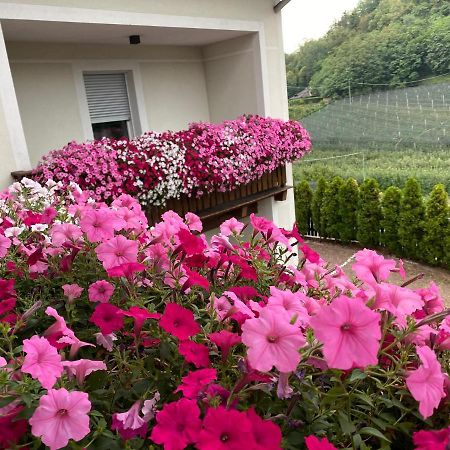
135	39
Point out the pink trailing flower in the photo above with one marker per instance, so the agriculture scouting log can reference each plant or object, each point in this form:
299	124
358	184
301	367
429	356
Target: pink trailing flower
292	302
128	433
131	418
350	333
72	291
272	340
107	317
197	354
426	383
371	267
432	439
193	222
267	434
225	429
81	368
42	361
179	322
65	232
231	226
60	417
397	300
5	243
100	291
99	225
196	381
314	443
117	251
105	340
225	339
178	424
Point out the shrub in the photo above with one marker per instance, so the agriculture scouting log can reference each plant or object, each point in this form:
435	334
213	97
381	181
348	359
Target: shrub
412	212
317	205
348	208
369	214
156	167
330	214
390	208
436	225
113	335
303	199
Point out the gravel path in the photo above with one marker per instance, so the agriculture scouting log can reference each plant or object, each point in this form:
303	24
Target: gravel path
337	254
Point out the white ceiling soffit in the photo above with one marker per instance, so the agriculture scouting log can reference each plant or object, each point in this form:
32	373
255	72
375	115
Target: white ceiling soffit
65	32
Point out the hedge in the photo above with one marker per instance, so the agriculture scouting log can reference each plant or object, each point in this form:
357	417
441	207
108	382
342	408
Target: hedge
398	220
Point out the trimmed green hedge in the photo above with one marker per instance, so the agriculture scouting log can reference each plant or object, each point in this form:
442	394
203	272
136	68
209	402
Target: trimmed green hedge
399	220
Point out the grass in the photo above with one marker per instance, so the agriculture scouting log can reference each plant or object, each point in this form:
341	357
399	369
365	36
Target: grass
387	167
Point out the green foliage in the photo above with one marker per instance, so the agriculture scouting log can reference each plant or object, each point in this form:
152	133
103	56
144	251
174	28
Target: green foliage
380	41
411	222
369	214
303	198
437	215
348	208
299	109
317	205
390	209
330	216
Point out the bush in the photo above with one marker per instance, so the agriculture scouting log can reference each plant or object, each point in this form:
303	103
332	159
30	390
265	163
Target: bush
330	215
348	208
412	212
436	225
303	199
317	205
369	214
390	208
114	335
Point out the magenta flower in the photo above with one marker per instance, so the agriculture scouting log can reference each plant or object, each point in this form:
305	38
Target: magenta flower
81	368
190	243
100	291
272	340
313	443
42	361
178	424
194	353
140	315
426	383
267	434
196	381
179	322
107	317
225	429
225	339
72	291
61	416
117	251
350	333
432	439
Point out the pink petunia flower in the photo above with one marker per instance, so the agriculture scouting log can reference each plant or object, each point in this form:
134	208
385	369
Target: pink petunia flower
140	315
426	383
196	381
99	225
81	368
42	361
432	439
225	429
193	222
105	340
107	317
72	291
194	353
292	302
267	434
5	243
272	340
11	427
178	424
179	322
117	251
100	291
231	226
65	232
371	267
61	416
225	339
131	418
314	443
350	333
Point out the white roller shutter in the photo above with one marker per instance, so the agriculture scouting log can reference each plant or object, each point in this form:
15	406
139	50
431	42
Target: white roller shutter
107	97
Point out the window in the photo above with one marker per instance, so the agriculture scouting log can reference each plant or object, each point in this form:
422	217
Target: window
109	104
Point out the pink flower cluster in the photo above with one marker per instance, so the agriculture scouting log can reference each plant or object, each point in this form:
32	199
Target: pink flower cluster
156	167
113	332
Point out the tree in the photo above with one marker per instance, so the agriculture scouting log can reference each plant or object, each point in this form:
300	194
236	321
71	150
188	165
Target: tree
329	211
390	210
317	204
303	198
436	225
348	208
412	212
369	214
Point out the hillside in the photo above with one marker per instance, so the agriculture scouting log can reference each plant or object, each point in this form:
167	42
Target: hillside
380	42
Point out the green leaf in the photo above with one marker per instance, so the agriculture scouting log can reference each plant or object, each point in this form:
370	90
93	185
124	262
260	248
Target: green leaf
346	425
356	376
374	432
